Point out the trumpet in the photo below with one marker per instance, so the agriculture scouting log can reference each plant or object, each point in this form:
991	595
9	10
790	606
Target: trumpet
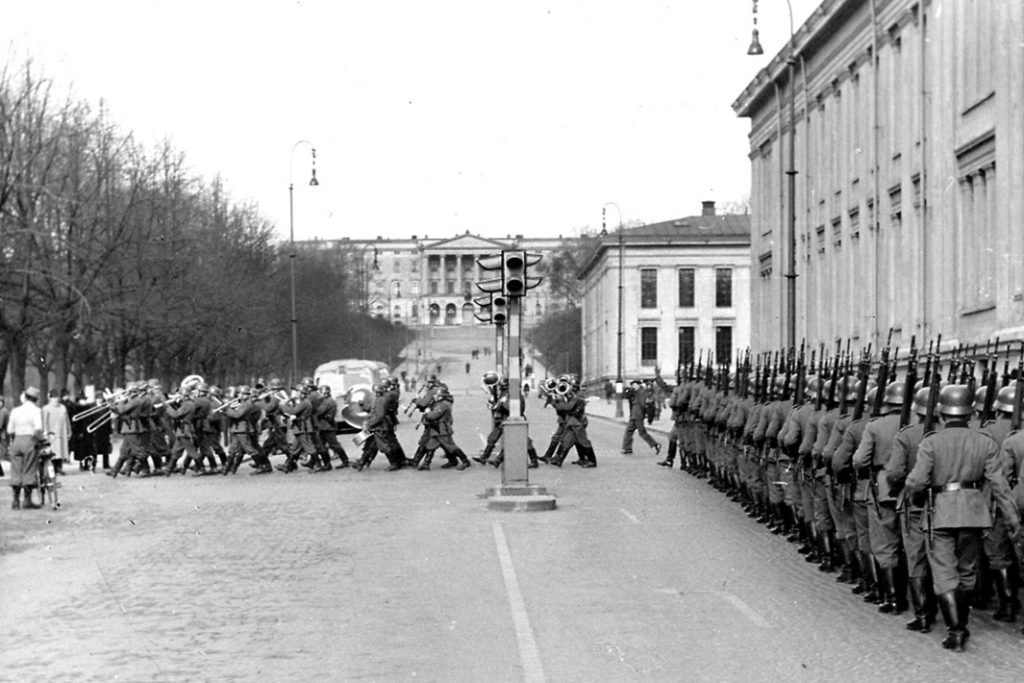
227	404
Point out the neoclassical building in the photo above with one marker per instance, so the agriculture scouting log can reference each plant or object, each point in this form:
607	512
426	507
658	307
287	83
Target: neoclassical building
423	281
907	165
684	287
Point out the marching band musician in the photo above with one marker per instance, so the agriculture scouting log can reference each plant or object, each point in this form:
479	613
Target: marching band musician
181	412
327	430
301	410
497	403
438	424
205	434
243	420
422	403
572	408
159	424
392	395
381	428
549	387
531	452
274	421
129	410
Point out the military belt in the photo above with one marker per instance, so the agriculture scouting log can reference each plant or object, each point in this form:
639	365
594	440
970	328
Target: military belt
956	486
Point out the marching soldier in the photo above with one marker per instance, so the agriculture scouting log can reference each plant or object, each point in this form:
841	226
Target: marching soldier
869	461
998	545
300	409
274	422
677	404
181	412
902	459
573	409
130	413
422	403
438	423
381	428
952	466
637	399
244	417
328	430
497	403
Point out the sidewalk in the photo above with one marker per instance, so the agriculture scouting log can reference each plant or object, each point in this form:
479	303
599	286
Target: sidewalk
599	408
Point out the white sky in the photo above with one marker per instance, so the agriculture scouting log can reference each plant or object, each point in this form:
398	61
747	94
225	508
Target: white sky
430	117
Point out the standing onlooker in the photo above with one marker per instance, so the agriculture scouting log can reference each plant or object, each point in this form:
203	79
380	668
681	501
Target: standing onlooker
5	414
609	391
57	429
25	426
80	443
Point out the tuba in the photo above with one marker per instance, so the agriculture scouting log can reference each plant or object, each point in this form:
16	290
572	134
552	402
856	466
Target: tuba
362	437
563	389
490	382
355	412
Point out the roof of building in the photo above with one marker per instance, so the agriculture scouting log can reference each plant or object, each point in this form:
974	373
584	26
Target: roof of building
730	228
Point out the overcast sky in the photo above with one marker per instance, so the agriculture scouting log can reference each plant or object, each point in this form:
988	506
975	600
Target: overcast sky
429	117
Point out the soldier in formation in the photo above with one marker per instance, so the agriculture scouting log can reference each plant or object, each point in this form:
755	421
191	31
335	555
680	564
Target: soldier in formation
908	487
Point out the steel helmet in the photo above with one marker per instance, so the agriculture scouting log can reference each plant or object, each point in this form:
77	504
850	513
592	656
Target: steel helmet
921	401
979	398
955	400
1006	398
813	387
276	384
869	398
894	393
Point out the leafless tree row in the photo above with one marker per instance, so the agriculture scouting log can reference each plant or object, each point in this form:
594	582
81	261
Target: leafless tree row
118	263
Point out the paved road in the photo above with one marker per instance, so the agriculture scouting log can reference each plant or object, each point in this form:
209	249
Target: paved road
642	574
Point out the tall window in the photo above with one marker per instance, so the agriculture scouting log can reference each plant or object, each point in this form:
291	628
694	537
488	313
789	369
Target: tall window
723	287
648	288
648	346
687	344
723	343
686	288
449	286
435	286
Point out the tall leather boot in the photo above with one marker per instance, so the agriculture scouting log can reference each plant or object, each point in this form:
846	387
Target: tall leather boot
1006	593
463	460
875	594
531	453
550	452
16	504
425	463
956	637
924	605
825	542
485	455
887	589
865	581
416	457
849	572
559	457
670	457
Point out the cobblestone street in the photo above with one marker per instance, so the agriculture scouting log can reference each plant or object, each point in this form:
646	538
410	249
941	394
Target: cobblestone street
640	574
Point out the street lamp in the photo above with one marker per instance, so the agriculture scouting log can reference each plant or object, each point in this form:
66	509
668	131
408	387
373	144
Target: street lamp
756	49
313	182
618	354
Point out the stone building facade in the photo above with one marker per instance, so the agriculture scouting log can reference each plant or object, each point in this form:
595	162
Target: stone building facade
907	168
685	293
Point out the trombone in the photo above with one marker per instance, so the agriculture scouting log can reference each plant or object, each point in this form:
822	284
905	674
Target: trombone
102	405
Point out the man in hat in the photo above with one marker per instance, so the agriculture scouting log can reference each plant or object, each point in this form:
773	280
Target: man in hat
637	400
25	429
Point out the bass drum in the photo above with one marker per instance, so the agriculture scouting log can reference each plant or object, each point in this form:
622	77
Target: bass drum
358	402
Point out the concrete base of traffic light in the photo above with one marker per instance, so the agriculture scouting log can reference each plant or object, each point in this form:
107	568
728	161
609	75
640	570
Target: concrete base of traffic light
526	503
515	490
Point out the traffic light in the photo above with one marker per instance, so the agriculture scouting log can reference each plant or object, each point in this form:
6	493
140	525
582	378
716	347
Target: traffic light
499	309
514	272
492	262
484	302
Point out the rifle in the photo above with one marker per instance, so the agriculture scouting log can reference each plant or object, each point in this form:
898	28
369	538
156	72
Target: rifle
933	398
883	378
801	376
1018	392
927	377
863	372
700	366
908	384
954	365
990	377
787	374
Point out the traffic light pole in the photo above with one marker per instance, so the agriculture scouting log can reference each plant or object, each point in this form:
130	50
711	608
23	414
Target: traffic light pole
514	470
499	349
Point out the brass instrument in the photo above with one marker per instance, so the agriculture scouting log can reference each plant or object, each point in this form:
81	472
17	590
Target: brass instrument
410	407
356	412
550	384
108	399
361	438
563	389
227	404
100	421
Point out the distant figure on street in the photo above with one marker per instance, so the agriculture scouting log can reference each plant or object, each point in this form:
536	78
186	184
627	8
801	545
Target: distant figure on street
5	414
637	399
609	391
57	428
467	368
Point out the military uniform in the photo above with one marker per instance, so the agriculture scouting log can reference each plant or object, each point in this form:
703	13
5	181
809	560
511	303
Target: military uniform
960	468
636	421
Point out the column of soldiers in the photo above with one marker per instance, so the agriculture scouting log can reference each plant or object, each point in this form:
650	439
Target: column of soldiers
908	487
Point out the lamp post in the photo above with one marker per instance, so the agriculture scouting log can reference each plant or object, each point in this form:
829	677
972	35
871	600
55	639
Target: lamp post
313	182
756	49
618	354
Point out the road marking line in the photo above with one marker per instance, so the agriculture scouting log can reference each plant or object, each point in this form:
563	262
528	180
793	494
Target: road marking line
630	516
483	439
747	611
533	672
